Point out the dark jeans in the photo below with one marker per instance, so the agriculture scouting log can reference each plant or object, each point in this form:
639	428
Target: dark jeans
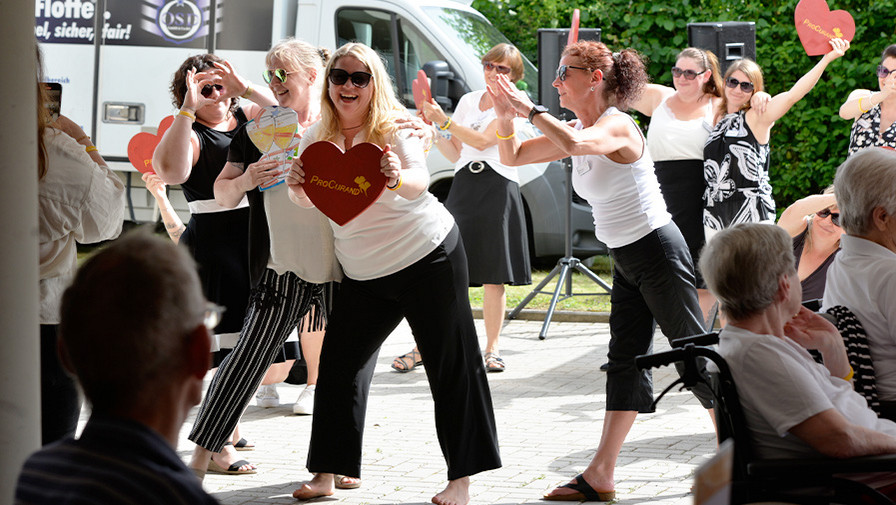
60	406
653	282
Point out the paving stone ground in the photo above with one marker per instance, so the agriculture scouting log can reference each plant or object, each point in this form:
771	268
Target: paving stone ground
549	407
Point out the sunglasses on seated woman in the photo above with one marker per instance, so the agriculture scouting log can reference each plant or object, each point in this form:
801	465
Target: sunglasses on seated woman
745	86
688	74
339	77
835	216
501	69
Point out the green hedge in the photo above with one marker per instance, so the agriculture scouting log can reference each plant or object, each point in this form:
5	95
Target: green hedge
810	141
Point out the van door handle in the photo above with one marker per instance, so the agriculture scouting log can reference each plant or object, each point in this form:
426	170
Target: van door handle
123	113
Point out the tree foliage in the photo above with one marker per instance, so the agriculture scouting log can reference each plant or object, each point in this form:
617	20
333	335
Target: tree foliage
810	141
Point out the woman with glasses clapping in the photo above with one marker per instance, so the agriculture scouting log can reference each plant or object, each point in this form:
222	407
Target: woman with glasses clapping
874	112
737	152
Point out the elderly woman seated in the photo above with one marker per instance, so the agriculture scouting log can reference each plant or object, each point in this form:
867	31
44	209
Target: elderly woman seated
750	269
863	276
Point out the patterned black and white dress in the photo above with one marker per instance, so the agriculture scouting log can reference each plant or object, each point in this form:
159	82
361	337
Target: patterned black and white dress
736	170
866	132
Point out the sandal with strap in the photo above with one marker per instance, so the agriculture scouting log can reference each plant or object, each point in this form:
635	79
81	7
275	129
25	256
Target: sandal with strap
583	492
346	482
407	362
494	362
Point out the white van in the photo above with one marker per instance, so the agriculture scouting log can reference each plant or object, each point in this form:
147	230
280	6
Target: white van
117	86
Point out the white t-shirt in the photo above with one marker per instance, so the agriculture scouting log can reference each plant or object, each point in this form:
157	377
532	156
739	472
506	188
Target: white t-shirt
780	386
393	233
467	113
671	139
625	198
863	279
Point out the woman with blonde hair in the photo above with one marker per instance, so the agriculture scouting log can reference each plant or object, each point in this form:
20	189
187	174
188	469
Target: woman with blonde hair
737	151
402	258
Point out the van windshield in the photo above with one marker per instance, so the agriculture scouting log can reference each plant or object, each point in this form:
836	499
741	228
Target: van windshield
474	32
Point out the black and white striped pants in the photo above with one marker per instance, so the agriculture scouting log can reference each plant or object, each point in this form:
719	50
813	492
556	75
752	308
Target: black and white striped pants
276	306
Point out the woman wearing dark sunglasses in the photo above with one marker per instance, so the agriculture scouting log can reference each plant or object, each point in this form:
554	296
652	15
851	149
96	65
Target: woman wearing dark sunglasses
192	153
814	224
737	152
484	200
653	277
403	258
874	111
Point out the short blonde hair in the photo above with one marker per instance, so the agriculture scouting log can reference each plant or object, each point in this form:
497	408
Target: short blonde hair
510	54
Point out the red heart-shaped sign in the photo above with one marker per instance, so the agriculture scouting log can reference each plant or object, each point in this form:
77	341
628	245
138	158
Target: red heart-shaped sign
420	88
142	145
342	185
816	24
573	29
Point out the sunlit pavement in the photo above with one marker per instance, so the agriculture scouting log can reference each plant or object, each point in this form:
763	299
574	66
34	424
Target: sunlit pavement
549	406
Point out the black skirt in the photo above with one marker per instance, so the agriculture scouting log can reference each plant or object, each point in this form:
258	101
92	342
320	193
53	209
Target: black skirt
683	185
489	213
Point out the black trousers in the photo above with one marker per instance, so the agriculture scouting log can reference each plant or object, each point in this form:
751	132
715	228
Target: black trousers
59	402
432	295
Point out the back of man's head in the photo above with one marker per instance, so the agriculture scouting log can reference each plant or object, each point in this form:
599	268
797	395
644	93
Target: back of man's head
742	265
126	318
864	181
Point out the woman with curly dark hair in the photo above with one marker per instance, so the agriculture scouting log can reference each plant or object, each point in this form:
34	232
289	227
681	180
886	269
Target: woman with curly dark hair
653	277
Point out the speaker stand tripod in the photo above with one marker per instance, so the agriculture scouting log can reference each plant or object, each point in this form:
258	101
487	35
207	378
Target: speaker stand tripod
564	269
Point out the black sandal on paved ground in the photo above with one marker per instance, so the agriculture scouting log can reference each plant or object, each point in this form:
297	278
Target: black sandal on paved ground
407	362
584	492
243	445
493	362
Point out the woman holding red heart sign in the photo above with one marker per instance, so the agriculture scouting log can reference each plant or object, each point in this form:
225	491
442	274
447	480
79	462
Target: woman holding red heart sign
737	152
402	258
874	112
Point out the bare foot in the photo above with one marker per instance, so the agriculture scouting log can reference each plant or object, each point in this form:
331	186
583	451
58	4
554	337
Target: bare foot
229	456
457	492
321	485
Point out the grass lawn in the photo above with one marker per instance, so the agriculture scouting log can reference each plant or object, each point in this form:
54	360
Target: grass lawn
580	284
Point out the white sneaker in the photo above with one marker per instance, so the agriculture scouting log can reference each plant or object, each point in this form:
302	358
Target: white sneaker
267	396
304	406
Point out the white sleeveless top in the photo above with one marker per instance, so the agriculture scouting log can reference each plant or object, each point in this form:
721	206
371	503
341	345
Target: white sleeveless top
625	198
671	139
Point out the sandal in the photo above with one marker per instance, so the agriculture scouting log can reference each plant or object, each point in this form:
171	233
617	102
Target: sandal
407	362
493	362
344	482
244	445
583	492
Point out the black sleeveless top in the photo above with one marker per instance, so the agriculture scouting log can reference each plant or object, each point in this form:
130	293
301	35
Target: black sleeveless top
213	147
813	285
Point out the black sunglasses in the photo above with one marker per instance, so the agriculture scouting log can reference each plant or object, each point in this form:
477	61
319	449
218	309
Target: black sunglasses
501	69
207	89
745	86
883	71
688	74
339	77
561	71
835	216
279	73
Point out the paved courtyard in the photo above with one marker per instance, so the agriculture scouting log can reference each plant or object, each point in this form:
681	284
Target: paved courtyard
549	406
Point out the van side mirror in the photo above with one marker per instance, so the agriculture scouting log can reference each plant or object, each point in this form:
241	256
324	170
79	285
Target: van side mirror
440	76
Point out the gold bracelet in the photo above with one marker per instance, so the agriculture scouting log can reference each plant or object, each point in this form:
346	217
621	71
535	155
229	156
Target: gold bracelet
79	139
849	375
501	137
248	91
395	188
860	104
184	112
90	149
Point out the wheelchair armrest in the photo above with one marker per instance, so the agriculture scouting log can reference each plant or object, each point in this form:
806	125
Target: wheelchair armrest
820	467
706	339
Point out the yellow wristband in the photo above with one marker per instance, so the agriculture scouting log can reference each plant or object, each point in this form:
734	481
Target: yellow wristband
849	375
860	105
446	125
248	91
395	187
187	113
90	149
501	137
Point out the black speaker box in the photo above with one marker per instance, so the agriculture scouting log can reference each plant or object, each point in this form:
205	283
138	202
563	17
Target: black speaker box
728	40
551	42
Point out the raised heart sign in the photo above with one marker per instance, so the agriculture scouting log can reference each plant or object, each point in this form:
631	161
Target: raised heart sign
342	185
420	88
816	24
142	145
574	28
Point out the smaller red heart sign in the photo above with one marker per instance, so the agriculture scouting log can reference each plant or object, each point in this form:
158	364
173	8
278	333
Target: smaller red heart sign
342	185
420	88
816	24
574	28
142	145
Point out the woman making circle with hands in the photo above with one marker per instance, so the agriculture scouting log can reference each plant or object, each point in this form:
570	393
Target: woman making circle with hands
737	151
653	278
402	258
484	199
874	112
